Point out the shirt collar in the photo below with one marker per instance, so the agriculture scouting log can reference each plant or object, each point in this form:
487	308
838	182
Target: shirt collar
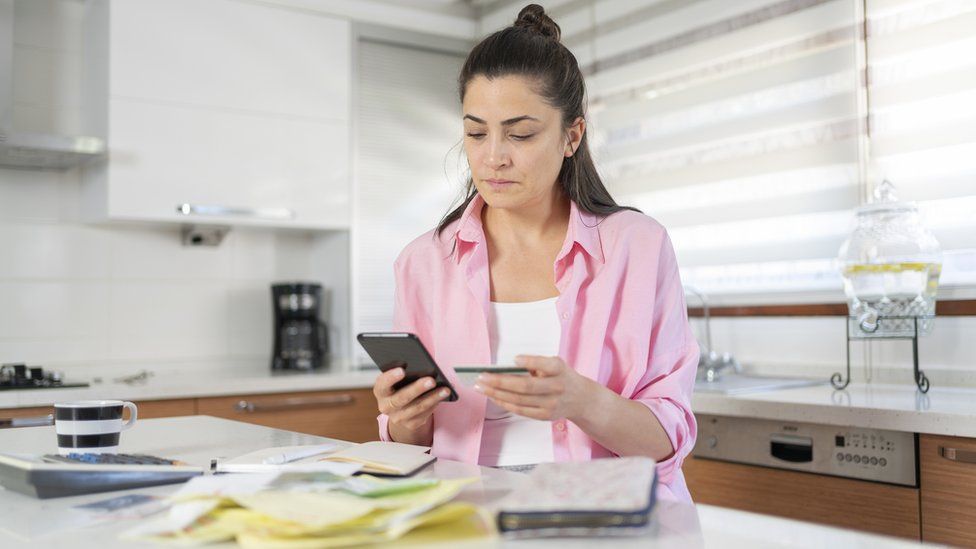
583	229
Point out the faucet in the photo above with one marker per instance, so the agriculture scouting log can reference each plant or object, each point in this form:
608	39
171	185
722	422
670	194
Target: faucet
711	365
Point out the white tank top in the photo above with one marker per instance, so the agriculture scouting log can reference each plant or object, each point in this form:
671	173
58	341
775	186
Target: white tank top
530	328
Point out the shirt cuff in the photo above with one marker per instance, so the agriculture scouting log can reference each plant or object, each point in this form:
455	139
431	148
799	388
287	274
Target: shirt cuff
674	421
384	424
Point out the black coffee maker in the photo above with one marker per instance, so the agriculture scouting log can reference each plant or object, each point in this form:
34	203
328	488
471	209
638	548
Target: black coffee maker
301	339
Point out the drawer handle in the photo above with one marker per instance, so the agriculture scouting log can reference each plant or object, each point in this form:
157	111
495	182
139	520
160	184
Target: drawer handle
248	406
266	213
962	456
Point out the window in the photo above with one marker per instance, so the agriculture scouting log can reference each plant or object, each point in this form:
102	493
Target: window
736	125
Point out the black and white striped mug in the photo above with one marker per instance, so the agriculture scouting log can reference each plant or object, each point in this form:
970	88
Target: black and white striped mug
91	426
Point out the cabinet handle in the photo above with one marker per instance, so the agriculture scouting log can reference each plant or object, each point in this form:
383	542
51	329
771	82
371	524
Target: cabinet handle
269	213
246	406
13	422
962	456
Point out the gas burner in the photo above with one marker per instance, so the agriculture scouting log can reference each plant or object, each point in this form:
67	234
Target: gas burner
20	376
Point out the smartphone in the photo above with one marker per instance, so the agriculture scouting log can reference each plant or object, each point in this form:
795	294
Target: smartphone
404	350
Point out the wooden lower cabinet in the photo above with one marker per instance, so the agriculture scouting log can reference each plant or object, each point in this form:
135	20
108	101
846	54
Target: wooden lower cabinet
36	411
346	415
860	505
147	409
948	469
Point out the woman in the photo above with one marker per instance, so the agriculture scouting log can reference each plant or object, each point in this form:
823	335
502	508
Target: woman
540	267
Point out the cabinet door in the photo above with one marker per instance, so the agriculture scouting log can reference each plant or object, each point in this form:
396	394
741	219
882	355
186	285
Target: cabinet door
35	411
147	409
231	55
238	110
848	503
167	155
345	415
948	482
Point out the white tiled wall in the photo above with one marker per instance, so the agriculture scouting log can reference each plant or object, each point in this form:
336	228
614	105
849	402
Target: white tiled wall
127	294
121	295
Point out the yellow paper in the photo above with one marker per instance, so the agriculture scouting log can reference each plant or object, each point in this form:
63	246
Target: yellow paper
451	522
313	510
334	519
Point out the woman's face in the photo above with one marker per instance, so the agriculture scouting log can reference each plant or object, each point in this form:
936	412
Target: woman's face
515	141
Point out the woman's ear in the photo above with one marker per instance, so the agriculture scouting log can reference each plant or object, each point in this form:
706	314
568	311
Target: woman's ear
574	135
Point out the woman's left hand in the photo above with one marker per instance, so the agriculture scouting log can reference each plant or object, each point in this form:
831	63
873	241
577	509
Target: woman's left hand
554	390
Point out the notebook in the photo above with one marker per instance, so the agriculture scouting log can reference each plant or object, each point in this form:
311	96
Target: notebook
385	458
612	496
286	459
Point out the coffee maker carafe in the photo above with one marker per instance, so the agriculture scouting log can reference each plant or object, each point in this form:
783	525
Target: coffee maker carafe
301	339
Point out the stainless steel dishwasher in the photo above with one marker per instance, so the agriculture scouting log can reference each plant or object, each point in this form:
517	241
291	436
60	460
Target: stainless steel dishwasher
866	454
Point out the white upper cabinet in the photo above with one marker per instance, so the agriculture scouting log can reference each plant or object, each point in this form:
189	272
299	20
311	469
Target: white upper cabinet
222	111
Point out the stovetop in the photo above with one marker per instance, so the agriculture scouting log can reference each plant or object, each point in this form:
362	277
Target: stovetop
21	376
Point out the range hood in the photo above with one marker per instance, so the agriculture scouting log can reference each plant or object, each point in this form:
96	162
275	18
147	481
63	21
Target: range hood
31	149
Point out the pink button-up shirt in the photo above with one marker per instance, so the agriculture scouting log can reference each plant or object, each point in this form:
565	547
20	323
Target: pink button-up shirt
624	325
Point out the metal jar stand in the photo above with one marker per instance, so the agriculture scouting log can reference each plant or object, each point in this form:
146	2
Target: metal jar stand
841	382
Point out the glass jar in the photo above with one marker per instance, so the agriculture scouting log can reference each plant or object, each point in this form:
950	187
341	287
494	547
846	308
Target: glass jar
891	265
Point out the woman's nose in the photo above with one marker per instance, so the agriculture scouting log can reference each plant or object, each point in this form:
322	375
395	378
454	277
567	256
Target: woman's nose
497	156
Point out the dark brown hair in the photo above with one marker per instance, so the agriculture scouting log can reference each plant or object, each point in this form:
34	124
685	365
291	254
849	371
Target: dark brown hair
531	48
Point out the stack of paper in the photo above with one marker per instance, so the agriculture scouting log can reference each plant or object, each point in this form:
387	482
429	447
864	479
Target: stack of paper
306	510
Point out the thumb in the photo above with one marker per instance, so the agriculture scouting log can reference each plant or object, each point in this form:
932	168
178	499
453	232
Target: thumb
540	365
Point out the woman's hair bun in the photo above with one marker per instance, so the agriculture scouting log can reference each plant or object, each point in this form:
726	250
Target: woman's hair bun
534	18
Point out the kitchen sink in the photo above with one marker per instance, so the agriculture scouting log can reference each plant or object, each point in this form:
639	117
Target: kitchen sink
737	384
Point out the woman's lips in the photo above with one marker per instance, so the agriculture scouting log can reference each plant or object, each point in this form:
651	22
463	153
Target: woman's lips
499	183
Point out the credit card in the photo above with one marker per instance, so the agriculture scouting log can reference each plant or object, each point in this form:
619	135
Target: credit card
468	375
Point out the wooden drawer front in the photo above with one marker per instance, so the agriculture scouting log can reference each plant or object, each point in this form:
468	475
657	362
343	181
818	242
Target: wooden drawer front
860	505
147	409
167	408
346	415
948	489
37	411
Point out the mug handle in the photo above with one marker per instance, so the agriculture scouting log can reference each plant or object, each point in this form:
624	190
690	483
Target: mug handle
133	414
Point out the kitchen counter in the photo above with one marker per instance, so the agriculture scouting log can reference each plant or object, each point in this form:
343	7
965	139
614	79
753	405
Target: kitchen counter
167	383
941	411
28	522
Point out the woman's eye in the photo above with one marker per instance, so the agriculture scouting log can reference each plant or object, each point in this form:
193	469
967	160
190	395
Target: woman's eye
521	137
476	135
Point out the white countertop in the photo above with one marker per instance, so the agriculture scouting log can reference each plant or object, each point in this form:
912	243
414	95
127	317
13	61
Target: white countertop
941	411
28	522
239	379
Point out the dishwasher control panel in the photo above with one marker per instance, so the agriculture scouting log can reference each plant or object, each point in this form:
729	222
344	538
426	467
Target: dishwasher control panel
867	454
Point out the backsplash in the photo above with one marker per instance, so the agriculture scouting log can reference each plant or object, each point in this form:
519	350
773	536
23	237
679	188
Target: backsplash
815	347
75	293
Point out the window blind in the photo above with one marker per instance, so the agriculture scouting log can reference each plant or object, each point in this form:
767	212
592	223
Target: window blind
406	167
922	78
735	124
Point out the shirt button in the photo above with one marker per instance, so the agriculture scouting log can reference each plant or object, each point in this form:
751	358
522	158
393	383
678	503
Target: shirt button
565	316
561	426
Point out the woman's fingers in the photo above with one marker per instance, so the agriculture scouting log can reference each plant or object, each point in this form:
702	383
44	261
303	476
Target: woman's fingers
520	399
404	396
383	386
526	411
541	365
525	385
421	408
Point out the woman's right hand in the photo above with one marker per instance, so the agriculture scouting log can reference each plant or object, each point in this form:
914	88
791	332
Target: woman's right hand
409	408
